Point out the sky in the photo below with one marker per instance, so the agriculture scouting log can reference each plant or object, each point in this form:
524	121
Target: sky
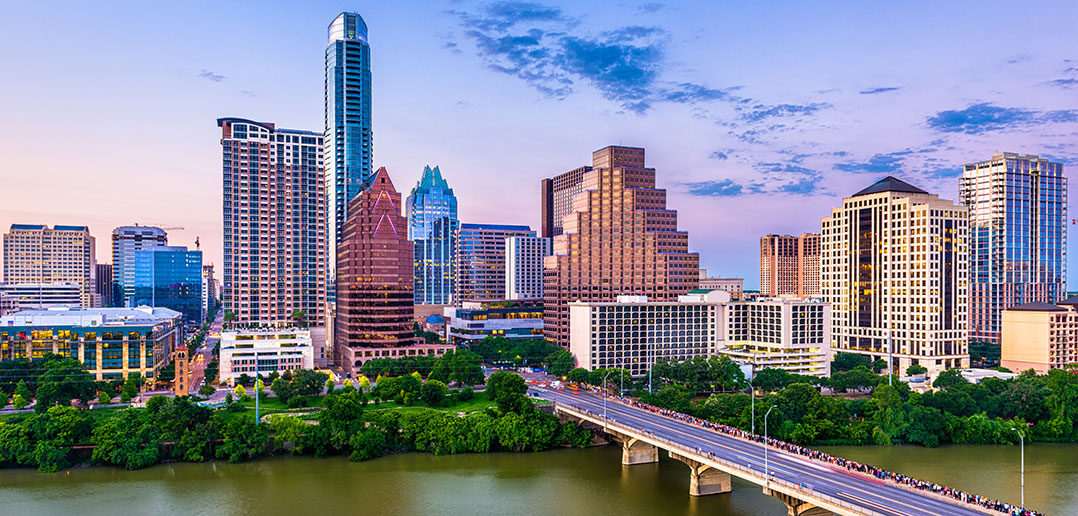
759	117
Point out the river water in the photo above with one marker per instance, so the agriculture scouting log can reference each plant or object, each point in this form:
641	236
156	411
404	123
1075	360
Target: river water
561	482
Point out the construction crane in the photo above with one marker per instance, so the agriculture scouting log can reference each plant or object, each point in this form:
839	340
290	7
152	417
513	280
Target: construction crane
166	228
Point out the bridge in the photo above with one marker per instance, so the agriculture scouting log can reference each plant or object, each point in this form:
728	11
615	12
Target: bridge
808	487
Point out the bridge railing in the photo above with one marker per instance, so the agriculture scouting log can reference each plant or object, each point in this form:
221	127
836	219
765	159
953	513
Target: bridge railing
704	457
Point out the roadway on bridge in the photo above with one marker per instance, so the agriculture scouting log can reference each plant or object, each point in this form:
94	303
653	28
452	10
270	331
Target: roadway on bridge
880	496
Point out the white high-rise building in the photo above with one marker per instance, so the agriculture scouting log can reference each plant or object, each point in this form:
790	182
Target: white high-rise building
37	254
524	266
895	269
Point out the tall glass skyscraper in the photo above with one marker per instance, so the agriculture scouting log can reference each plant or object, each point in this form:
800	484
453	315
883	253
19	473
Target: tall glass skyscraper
432	226
1018	233
126	240
348	138
169	277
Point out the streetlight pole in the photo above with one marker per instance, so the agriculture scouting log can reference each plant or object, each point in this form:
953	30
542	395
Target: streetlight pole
767	473
258	395
890	360
1023	440
604	397
752	393
651	365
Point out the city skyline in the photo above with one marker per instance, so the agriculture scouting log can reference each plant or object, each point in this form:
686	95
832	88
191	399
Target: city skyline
724	122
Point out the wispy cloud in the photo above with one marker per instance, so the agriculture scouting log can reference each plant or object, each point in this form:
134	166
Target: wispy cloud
720	155
986	117
761	112
873	91
210	76
650	8
714	188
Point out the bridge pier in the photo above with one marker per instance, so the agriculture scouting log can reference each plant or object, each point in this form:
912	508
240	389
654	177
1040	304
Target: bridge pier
703	479
796	506
635	451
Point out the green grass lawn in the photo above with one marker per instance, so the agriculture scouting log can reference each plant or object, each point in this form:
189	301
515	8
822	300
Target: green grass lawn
477	404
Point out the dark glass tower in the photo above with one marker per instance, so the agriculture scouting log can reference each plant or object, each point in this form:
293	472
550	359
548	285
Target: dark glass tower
348	139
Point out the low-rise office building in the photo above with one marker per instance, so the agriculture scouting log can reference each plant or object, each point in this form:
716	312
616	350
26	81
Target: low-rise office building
31	296
110	342
1040	336
784	333
254	352
475	320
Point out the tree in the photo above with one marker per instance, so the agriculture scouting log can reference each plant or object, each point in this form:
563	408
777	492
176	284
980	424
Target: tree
433	393
23	390
243	439
330	385
577	375
559	362
239	390
916	370
307	382
949	378
507	390
229	318
348	384
63	379
19	402
130	389
206	390
300	317
878	365
4	399
364	383
847	361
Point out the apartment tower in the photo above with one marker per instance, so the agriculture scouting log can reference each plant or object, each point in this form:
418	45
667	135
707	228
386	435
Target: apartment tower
274	224
480	260
619	239
524	266
37	254
895	268
1018	235
790	265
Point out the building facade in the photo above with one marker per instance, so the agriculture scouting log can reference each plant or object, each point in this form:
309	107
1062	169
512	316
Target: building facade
788	333
895	269
735	286
557	197
209	290
349	139
126	240
1018	236
274	224
29	296
1040	336
110	342
524	257
480	260
38	254
170	277
620	239
374	279
103	285
790	265
432	228
474	321
254	352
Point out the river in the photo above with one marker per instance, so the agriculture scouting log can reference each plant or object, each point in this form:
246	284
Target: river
567	482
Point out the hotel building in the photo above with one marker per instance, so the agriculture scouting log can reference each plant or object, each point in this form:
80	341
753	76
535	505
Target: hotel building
1040	336
789	333
126	241
254	352
895	270
481	260
524	257
274	225
38	254
374	279
619	239
432	228
1018	236
110	342
790	265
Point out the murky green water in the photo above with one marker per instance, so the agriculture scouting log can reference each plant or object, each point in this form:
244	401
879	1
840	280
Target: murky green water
569	482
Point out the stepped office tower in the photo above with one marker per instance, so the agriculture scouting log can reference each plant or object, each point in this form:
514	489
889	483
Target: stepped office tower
38	254
126	240
790	265
432	227
1018	234
619	239
374	264
274	225
348	139
895	268
480	260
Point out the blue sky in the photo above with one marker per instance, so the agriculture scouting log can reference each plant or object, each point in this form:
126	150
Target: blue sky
758	116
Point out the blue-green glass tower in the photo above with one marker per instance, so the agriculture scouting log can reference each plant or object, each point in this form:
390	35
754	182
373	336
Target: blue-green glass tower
432	228
170	277
348	140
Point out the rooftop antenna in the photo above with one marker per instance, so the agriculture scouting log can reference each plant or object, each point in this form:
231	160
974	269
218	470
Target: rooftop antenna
196	243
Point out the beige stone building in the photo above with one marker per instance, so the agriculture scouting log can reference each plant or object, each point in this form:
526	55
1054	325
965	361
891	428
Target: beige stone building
1040	336
38	254
895	269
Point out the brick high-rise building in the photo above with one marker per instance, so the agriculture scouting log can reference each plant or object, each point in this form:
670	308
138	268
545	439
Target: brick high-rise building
619	239
1018	234
790	265
480	260
38	254
274	224
374	281
895	268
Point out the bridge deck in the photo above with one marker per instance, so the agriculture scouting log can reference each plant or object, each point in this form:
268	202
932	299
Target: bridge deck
828	486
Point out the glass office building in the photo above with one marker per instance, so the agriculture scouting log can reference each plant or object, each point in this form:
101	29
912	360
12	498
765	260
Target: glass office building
432	228
170	277
348	138
1018	231
126	240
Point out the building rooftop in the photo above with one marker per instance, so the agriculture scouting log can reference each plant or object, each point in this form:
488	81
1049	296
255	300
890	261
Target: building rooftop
890	184
502	227
1037	306
74	316
1070	301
